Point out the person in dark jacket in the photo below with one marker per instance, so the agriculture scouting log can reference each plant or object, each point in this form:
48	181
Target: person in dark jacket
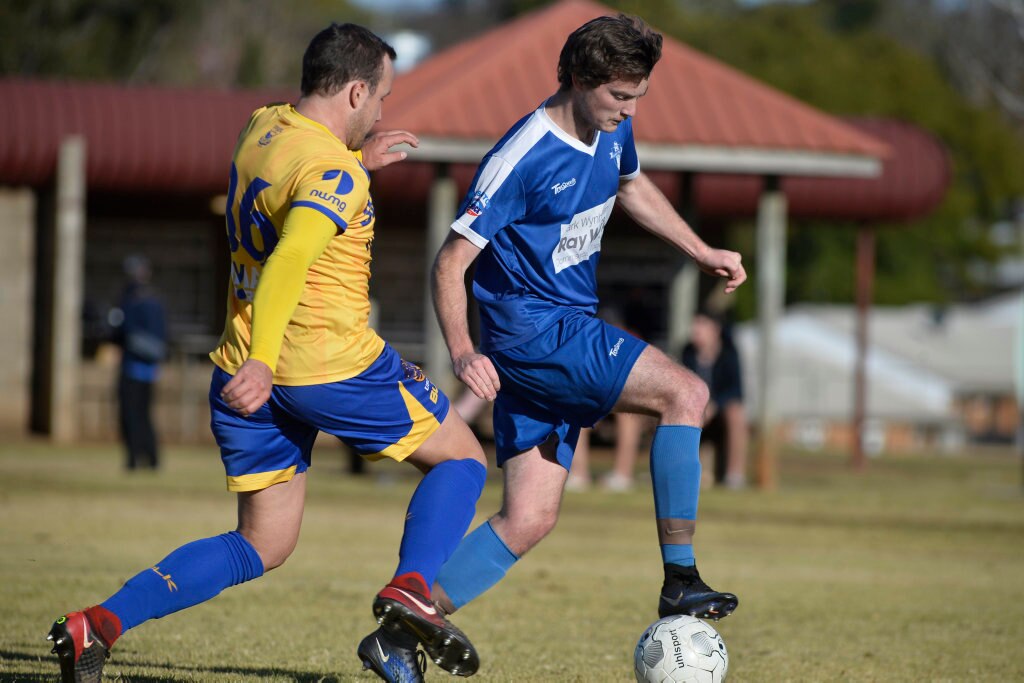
142	336
712	356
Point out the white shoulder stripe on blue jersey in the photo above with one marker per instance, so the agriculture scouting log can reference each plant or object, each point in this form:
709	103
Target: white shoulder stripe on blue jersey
498	167
493	174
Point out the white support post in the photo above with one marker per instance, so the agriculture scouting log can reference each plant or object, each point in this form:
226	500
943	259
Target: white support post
68	290
683	294
440	213
771	293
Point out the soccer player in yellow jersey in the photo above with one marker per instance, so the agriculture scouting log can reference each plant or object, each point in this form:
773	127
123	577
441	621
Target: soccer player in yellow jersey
298	357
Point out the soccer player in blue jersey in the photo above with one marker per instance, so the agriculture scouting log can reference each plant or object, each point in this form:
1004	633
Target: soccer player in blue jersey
297	357
533	222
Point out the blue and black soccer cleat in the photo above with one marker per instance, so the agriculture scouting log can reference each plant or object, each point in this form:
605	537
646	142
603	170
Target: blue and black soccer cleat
80	651
404	605
684	592
393	657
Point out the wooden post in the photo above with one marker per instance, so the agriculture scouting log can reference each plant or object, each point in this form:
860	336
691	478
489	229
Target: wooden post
68	286
865	278
443	203
684	290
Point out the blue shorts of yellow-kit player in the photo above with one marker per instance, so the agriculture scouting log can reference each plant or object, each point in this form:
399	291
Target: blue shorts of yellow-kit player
567	377
387	411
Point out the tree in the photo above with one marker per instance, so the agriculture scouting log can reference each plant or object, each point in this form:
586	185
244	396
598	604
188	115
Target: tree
832	55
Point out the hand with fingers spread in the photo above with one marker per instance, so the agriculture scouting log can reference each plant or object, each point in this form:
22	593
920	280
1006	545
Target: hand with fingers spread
377	148
723	263
250	388
476	371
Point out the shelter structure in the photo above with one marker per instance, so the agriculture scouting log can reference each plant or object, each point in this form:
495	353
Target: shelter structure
91	172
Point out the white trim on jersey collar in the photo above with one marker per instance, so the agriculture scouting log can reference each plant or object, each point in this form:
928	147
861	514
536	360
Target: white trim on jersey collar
574	142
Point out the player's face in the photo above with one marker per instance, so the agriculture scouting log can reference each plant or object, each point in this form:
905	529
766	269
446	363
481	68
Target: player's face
609	104
369	113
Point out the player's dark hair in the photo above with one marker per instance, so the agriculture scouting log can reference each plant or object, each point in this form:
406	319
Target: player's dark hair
608	49
342	53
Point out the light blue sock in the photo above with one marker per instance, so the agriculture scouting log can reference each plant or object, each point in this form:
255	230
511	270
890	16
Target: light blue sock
192	574
480	561
439	513
675	473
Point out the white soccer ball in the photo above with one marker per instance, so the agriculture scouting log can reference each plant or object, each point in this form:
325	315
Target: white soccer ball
680	649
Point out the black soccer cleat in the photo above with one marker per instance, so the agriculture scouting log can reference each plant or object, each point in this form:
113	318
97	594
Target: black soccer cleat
684	592
404	605
393	656
79	650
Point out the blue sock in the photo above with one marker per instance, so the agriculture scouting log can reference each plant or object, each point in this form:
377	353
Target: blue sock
675	472
439	513
480	561
192	574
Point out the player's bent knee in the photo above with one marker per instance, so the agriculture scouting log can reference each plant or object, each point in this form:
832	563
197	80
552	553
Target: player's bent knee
530	529
274	557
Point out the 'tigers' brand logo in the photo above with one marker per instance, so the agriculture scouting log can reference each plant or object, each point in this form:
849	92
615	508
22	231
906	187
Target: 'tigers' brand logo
558	187
614	351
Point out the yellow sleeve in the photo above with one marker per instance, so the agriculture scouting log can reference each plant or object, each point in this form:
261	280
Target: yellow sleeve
304	236
358	154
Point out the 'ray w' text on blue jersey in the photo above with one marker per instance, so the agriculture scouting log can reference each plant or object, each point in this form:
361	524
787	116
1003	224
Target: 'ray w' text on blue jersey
537	208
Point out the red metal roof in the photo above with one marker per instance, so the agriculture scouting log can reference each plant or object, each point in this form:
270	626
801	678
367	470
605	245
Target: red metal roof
138	138
478	88
914	179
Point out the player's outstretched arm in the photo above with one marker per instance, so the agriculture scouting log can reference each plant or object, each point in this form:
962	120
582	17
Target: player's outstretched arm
448	284
377	152
646	205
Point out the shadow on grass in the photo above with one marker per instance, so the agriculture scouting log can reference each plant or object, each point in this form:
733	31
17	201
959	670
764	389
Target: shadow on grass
173	673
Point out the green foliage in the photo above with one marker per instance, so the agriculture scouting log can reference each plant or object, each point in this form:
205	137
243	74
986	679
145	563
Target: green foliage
249	43
830	55
85	39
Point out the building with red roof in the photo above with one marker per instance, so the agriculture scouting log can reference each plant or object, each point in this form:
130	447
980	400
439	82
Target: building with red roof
92	172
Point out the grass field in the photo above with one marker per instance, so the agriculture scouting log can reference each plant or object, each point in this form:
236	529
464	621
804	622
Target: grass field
911	572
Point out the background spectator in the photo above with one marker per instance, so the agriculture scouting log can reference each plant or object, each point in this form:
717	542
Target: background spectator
712	355
141	333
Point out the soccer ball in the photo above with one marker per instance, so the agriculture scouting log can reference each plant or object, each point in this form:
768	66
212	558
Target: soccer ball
680	649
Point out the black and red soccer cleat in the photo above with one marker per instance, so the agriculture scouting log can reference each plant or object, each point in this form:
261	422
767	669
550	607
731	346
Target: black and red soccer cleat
81	652
405	605
684	592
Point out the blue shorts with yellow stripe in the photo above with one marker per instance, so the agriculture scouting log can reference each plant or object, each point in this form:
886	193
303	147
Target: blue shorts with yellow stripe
387	411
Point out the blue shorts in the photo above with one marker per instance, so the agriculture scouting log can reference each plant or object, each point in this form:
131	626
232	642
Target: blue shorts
568	377
387	411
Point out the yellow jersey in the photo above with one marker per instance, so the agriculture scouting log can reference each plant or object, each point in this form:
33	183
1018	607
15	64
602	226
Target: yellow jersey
287	166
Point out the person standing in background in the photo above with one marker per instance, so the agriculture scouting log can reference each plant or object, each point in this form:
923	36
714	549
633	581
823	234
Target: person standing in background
712	356
142	336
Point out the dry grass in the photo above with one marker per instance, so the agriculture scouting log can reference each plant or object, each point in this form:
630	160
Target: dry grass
911	572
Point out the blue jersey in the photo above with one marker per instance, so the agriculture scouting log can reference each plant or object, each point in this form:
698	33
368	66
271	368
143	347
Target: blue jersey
537	207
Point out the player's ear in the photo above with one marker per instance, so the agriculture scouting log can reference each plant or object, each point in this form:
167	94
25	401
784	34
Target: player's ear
357	93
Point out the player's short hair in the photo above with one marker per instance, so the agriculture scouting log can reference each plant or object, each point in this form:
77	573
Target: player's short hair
340	54
608	49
